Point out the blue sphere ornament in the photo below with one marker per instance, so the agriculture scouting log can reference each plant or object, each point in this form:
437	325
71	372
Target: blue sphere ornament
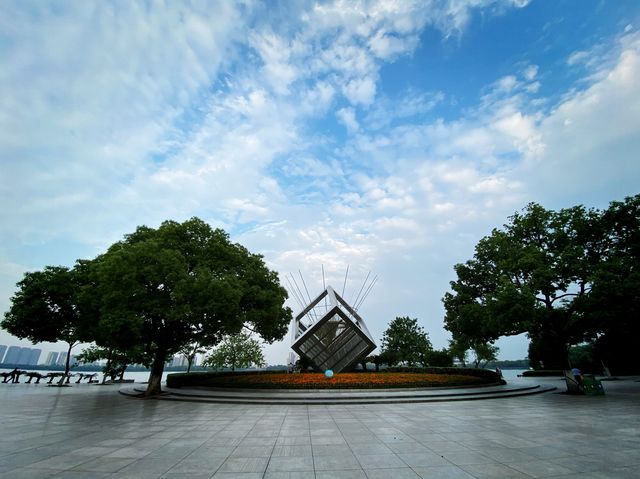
328	373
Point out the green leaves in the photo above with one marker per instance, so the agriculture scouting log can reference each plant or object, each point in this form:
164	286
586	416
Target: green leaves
405	342
44	307
236	351
152	294
542	273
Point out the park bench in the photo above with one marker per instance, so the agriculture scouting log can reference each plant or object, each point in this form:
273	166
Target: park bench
14	376
88	377
32	375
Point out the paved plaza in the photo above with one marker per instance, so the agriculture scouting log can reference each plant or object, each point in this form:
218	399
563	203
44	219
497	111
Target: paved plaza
90	431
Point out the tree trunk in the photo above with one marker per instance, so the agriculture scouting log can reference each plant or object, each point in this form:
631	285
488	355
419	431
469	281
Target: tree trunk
66	365
107	367
155	377
189	363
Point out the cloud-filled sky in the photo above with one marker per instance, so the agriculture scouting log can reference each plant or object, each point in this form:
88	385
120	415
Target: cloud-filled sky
389	136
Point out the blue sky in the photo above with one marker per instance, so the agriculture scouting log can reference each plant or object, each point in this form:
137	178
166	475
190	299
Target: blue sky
388	136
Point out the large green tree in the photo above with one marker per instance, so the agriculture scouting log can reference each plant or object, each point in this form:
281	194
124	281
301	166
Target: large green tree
236	351
541	274
45	308
613	304
405	342
162	289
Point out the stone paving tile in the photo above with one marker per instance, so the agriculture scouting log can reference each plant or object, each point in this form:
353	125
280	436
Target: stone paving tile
370	448
346	474
536	436
335	462
380	461
154	466
442	472
82	475
462	458
60	463
103	464
198	465
494	471
28	474
279	464
408	447
416	459
395	473
293	440
294	451
244	464
252	451
540	468
290	475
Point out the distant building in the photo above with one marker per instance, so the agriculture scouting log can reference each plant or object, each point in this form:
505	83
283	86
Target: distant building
20	355
25	355
3	349
52	359
62	358
179	361
13	355
34	357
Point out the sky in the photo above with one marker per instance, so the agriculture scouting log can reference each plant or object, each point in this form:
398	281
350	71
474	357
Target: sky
387	136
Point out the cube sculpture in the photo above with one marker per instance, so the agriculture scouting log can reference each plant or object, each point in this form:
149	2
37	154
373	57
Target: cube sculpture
331	334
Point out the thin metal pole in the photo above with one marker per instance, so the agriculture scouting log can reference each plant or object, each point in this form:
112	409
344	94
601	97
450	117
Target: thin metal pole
305	286
299	293
324	288
366	293
293	292
345	281
314	317
355	301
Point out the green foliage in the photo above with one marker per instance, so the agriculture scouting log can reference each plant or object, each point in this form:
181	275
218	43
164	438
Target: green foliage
162	289
439	358
45	308
614	302
404	342
583	357
236	351
117	361
562	277
484	353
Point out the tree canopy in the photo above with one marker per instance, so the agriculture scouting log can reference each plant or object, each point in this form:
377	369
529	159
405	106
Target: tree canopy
152	295
165	288
45	308
405	342
552	274
236	351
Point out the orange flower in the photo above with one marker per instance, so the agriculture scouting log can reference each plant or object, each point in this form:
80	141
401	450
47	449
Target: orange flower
342	380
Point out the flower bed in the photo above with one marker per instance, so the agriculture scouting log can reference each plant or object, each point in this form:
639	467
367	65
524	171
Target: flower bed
381	380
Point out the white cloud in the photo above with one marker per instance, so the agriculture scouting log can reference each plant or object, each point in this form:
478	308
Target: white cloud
530	72
172	112
347	117
360	91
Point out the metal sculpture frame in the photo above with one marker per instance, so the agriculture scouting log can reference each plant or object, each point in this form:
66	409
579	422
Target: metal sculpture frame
331	334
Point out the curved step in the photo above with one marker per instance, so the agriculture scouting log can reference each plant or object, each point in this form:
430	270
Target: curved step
310	397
